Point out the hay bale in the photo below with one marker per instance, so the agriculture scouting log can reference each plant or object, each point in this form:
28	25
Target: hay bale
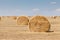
0	17
22	20
55	17
39	24
13	17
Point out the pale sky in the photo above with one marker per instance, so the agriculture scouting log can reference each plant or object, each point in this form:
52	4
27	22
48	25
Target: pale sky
29	7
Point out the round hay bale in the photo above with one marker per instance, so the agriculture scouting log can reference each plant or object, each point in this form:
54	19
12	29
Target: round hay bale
13	17
0	17
22	20
39	24
54	17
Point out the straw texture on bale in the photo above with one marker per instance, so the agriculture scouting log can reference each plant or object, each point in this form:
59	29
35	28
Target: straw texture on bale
22	20
39	24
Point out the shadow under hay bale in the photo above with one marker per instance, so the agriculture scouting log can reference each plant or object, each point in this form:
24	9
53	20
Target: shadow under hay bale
22	20
39	24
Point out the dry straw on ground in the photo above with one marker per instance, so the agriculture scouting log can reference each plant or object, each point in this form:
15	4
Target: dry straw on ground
22	20
39	24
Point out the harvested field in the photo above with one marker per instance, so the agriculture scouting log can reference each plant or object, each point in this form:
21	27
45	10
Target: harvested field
10	30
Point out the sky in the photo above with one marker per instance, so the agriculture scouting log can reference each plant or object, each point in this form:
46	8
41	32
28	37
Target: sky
29	7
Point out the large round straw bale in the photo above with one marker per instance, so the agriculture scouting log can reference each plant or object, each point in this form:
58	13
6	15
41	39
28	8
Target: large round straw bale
39	24
22	20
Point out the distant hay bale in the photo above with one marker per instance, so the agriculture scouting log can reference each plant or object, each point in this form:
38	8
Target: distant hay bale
54	17
22	20
8	16
13	17
39	24
0	17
